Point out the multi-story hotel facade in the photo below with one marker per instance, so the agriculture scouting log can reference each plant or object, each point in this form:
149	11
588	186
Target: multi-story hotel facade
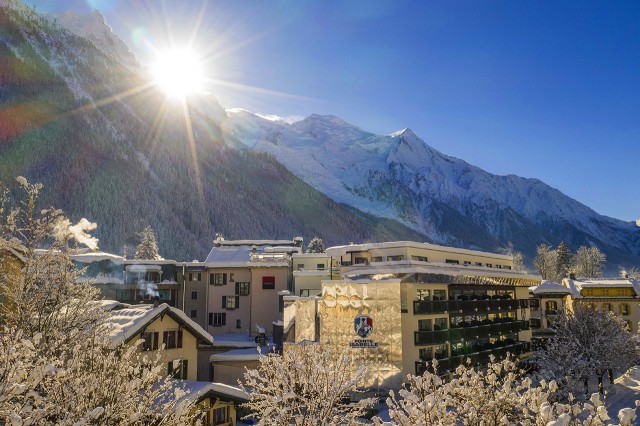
401	305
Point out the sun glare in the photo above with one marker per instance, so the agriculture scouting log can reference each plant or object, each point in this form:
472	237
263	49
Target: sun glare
178	73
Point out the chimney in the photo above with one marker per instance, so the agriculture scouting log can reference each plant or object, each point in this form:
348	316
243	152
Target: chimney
156	301
254	249
572	276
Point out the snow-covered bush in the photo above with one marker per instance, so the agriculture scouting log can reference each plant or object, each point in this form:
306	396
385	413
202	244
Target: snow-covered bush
587	343
308	384
56	366
501	394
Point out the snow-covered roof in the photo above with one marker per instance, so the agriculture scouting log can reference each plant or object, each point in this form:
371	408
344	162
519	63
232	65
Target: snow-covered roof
97	256
150	262
234	340
229	256
576	285
247	354
126	321
413	267
343	250
200	390
549	287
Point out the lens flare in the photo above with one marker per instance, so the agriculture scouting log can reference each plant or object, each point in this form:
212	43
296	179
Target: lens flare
178	73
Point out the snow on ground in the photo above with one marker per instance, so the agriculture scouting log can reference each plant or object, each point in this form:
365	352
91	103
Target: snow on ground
624	392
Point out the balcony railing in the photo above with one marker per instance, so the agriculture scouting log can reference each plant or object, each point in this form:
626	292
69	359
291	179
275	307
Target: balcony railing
424	307
481	356
422	338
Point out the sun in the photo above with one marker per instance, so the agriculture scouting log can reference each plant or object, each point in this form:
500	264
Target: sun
178	73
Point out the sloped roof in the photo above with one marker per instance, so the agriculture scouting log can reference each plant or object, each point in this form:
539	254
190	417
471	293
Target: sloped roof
577	285
549	287
127	321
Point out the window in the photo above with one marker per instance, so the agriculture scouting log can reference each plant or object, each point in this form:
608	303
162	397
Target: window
467	263
423	294
452	261
425	325
190	276
507	267
268	283
535	322
419	258
230	302
551	306
150	341
426	354
304	292
607	307
439	295
440	324
395	258
164	294
360	261
320	266
221	415
238	324
194	313
499	266
218	279
231	278
534	303
300	266
441	352
172	339
194	295
199	276
242	288
217	319
178	369
376	259
488	265
125	295
478	264
624	309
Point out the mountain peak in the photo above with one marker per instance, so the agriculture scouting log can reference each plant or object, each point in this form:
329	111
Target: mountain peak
407	132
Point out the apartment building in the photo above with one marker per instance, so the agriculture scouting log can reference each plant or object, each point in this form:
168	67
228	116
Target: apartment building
621	296
130	281
239	287
309	270
399	305
546	302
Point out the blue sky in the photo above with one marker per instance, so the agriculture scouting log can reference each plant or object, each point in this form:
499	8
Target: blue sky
544	89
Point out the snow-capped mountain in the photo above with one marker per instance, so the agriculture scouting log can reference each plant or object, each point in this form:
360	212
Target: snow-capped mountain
399	176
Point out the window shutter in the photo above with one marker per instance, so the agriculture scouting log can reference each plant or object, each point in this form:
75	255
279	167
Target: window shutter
224	302
185	369
199	276
179	337
238	288
156	337
212	279
224	318
210	318
165	338
224	279
169	368
237	302
190	276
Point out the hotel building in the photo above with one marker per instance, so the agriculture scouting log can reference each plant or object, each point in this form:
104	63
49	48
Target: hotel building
399	305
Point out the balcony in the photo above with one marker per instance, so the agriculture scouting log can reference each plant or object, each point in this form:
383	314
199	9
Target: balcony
482	355
426	307
422	338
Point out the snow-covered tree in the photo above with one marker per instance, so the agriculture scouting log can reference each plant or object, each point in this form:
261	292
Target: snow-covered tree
56	366
564	261
148	247
589	262
499	395
587	343
308	384
315	246
546	262
518	261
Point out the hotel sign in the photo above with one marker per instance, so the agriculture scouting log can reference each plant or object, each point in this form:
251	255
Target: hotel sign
363	326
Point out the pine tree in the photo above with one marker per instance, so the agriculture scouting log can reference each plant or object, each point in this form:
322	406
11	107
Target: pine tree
148	247
564	261
315	246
